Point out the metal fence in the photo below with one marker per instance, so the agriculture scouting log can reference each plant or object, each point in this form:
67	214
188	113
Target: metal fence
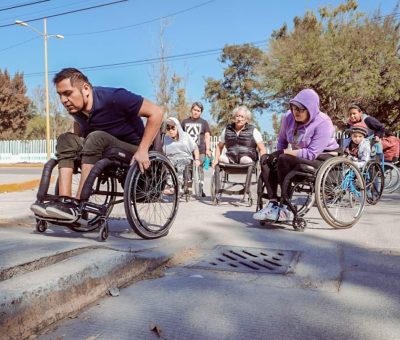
34	151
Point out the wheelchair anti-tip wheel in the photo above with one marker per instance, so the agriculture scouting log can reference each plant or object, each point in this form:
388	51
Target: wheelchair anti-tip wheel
151	198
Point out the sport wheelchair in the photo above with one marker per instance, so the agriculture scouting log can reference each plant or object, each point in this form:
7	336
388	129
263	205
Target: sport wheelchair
149	211
221	183
337	187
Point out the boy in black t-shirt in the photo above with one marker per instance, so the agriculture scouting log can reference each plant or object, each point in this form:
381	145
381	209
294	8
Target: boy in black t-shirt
199	131
104	117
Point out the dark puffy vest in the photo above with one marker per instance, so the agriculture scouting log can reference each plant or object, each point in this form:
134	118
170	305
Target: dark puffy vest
240	145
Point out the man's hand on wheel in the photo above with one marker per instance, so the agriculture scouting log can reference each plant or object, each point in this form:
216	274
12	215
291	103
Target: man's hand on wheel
142	158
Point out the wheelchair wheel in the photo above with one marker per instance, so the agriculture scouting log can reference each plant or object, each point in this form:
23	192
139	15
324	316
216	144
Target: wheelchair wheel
102	190
340	192
216	181
374	181
151	198
392	178
197	187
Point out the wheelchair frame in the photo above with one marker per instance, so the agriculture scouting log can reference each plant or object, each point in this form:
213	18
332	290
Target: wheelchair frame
220	183
336	185
140	193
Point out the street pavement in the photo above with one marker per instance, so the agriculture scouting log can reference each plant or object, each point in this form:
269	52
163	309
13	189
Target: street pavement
341	284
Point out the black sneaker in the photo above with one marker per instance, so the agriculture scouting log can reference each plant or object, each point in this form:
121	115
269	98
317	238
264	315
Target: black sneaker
203	194
66	208
39	208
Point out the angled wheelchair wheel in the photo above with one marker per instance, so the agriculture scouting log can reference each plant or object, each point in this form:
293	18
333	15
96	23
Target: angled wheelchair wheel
374	181
216	181
392	178
102	194
340	192
197	187
151	198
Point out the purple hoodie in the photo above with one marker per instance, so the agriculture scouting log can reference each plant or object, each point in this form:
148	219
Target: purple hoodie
311	138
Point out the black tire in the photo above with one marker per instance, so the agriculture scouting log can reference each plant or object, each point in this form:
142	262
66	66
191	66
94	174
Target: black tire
216	181
299	224
374	181
149	211
104	231
102	188
340	192
41	225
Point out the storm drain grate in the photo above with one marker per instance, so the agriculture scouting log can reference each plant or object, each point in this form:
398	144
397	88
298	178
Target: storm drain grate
249	260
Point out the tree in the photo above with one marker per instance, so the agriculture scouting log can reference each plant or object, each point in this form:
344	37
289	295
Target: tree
13	106
344	55
240	84
60	121
170	93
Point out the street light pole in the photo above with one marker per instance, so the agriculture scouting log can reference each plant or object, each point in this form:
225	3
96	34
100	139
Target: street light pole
46	76
46	85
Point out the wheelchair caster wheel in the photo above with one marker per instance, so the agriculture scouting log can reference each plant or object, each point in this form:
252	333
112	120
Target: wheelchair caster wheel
103	233
41	226
299	224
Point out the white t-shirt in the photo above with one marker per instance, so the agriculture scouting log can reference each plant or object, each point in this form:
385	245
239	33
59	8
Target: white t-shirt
256	135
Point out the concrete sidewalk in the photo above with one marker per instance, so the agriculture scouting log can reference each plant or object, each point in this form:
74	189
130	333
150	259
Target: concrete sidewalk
46	277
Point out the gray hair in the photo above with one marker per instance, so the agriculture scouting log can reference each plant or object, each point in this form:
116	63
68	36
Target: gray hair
246	111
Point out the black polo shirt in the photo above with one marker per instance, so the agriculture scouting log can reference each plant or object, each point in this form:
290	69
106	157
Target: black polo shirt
115	111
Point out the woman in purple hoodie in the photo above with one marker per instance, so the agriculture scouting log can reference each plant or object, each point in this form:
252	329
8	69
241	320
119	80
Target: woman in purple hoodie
310	133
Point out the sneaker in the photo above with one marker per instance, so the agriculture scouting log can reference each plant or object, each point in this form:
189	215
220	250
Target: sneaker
66	208
285	215
269	212
39	208
203	194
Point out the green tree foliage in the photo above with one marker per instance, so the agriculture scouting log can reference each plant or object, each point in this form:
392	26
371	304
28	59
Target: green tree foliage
240	84
13	106
276	123
342	54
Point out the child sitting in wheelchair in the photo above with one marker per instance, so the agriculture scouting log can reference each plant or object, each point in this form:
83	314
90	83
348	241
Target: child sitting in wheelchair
179	148
358	147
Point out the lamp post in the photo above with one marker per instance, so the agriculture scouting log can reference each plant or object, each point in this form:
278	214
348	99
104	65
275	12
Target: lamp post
46	75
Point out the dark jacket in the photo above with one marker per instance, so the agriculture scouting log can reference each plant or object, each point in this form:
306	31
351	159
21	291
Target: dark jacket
242	144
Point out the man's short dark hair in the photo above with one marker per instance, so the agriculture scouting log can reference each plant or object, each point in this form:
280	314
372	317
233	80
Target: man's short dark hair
198	104
73	74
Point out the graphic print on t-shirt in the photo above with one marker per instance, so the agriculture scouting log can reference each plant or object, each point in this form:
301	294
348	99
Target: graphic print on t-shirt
194	130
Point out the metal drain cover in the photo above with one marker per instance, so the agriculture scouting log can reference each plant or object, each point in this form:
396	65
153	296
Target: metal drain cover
249	260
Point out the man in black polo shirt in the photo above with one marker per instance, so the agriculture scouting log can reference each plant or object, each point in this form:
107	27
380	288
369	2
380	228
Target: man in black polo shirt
104	117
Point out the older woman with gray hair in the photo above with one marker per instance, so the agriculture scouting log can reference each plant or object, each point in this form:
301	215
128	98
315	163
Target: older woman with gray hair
241	140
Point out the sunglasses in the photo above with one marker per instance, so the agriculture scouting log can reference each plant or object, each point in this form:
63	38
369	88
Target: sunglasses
169	127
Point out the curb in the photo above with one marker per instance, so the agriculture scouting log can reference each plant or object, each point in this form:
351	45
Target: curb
34	300
21	165
12	187
21	186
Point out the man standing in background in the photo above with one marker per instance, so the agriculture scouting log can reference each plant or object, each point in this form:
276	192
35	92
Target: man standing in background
199	130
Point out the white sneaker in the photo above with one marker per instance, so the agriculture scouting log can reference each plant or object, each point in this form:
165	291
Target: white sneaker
269	212
285	215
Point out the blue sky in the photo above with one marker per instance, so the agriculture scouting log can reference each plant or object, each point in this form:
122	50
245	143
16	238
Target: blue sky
198	25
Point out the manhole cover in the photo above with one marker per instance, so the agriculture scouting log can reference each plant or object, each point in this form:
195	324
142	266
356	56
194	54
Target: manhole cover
249	260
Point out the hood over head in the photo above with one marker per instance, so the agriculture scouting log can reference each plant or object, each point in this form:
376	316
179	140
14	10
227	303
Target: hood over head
310	100
175	122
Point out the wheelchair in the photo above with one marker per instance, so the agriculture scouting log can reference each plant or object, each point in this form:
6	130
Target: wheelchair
337	188
222	184
191	182
113	180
